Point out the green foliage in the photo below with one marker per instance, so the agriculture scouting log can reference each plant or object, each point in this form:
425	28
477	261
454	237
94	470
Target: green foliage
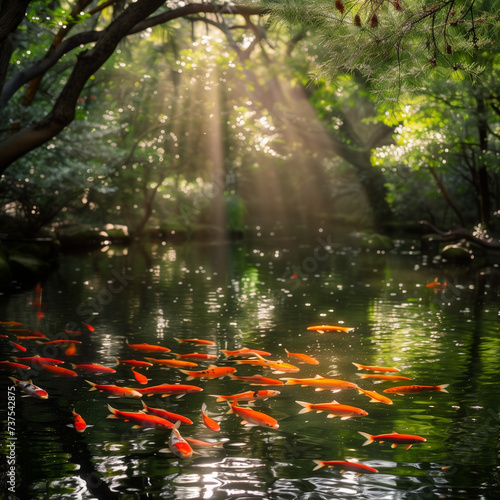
394	44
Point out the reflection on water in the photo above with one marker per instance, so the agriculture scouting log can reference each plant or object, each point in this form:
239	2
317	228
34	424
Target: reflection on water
265	297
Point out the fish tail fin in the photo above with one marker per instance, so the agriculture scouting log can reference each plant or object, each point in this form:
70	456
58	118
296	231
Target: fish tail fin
319	464
443	387
357	365
289	381
144	406
307	406
204	407
93	388
112	410
369	438
225	352
14	380
230	407
117	361
178	340
362	375
177	425
219	398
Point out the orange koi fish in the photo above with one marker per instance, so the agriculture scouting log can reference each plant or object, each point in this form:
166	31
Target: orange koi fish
37	360
141	419
382	377
257	380
209	422
435	285
10	366
253	417
26	330
169	389
198	443
247	396
19	347
115	391
376	368
142	379
334	409
393	438
10	323
330	328
305	358
29	388
148	348
62	341
244	352
71	350
78	422
178	445
275	366
172	363
322	383
410	389
212	372
93	368
196	355
375	397
345	465
167	415
195	341
134	363
58	371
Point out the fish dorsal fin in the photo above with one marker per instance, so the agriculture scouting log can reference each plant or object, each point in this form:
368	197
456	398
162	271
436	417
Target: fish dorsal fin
210	367
334	402
318	376
394	432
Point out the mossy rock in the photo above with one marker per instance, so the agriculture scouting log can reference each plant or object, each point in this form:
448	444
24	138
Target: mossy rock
456	253
372	241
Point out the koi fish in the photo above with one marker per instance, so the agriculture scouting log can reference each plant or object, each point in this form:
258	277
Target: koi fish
436	285
10	323
32	333
334	409
62	341
93	368
29	388
393	438
172	363
209	422
134	363
211	372
58	371
196	355
275	366
19	347
142	379
195	341
244	352
178	445
115	391
198	443
376	368
382	377
375	397
345	465
322	383
167	415
38	360
253	417
330	328
305	358
71	350
169	389
247	396
9	366
410	389
141	419
148	348
78	422
257	380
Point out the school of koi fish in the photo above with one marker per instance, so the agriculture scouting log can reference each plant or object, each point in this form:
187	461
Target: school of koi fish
239	404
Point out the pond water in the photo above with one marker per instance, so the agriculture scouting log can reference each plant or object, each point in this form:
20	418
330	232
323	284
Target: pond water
261	295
